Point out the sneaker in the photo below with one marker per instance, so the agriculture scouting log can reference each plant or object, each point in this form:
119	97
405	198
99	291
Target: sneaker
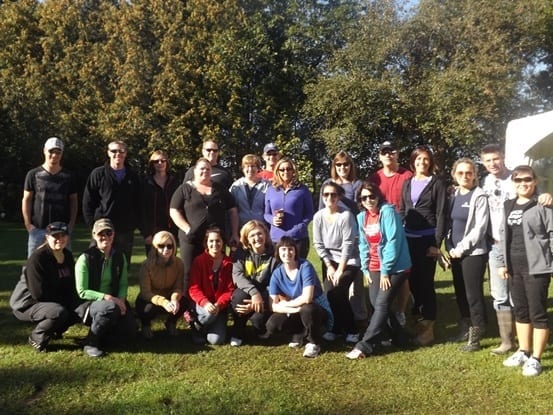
171	327
297	342
401	319
93	351
352	338
532	367
355	354
517	359
235	342
386	343
39	347
147	332
329	336
311	350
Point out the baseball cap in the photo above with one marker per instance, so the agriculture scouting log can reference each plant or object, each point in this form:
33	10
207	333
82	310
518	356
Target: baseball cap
102	225
53	142
387	145
270	147
57	227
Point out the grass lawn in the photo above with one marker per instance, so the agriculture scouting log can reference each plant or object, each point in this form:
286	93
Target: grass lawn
171	375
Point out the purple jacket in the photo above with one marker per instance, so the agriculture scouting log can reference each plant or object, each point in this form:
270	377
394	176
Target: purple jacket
297	203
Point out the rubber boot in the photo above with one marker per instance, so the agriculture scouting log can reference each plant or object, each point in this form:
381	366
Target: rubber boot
505	325
463	331
473	343
425	333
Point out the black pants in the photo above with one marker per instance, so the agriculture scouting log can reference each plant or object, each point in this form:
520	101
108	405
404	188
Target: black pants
147	311
468	281
338	297
421	278
307	323
258	320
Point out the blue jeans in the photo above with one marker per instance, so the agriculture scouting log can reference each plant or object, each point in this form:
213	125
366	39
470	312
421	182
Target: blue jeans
215	325
499	287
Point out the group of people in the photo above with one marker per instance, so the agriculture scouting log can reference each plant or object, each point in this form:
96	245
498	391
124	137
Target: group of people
385	233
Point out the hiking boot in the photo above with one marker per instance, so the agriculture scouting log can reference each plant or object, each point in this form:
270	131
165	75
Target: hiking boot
39	347
473	342
462	331
425	333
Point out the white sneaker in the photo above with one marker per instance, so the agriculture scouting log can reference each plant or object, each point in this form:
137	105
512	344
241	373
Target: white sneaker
296	342
352	338
517	359
329	336
311	350
235	342
532	367
355	354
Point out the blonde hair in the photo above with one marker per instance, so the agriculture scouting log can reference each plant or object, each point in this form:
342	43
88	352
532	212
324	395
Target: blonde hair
158	153
466	160
162	237
250	226
277	180
251	159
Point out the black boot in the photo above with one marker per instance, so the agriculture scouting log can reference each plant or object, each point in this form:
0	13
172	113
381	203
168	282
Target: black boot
473	343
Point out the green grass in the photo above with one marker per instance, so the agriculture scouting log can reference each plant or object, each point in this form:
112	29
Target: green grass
170	375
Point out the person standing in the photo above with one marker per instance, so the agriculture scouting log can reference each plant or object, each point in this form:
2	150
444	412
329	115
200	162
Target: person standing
45	294
390	179
113	191
219	174
424	213
157	189
526	260
468	245
270	156
101	275
49	195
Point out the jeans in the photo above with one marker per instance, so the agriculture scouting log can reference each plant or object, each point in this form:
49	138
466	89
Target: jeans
499	287
381	301
106	316
468	281
215	325
36	238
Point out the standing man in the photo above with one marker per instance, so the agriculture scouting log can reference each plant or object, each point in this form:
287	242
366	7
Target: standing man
113	191
219	174
49	195
390	179
271	156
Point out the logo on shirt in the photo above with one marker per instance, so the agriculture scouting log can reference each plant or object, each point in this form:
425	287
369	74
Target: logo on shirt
515	217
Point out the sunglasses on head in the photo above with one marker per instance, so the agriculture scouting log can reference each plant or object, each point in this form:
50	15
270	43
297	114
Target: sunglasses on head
163	246
370	197
526	179
117	150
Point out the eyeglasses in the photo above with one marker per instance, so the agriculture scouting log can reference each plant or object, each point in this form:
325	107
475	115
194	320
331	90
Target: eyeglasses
211	150
283	169
105	234
160	161
161	247
56	151
330	194
370	197
117	150
388	152
525	179
341	164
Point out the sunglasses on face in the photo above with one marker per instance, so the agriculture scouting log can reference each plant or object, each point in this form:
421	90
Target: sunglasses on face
163	246
388	152
341	164
526	179
160	161
283	169
211	150
54	151
330	194
106	234
117	150
370	197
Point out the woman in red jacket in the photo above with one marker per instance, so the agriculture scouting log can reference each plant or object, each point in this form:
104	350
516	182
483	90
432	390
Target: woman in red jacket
211	288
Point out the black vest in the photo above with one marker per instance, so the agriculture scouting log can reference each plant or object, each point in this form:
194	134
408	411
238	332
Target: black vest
96	260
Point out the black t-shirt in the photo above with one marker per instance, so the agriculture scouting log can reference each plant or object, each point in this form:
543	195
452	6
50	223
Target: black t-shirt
202	211
50	195
459	216
517	249
219	175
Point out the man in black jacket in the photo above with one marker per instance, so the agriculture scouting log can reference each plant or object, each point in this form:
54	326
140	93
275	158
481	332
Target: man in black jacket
113	191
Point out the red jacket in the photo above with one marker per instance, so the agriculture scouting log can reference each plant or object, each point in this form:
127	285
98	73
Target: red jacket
201	281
